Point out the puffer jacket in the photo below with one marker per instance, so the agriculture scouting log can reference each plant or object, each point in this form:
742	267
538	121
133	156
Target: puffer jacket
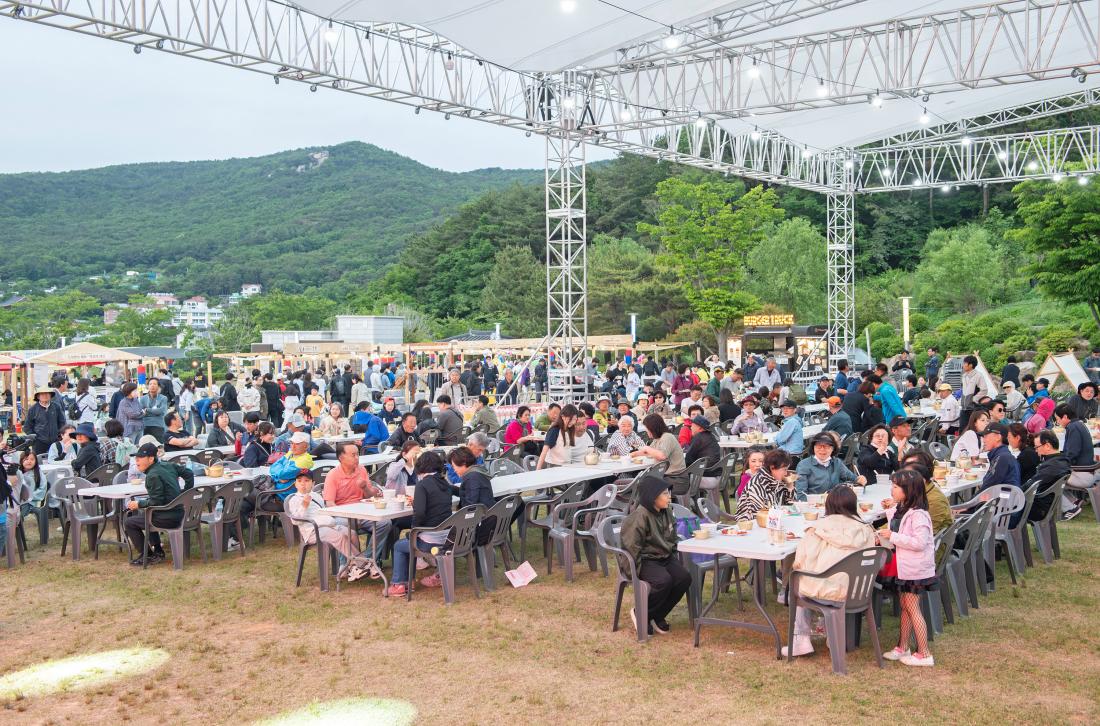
649	534
825	543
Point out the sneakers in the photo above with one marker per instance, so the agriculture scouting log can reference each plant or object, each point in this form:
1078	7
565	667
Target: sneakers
432	581
634	619
232	545
916	660
356	572
896	654
781	598
1071	513
661	626
397	589
801	646
421	564
154	558
374	570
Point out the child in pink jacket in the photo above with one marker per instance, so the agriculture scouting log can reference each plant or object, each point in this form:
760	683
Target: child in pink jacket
910	533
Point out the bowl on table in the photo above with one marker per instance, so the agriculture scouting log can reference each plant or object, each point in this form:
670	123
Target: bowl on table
701	534
745	525
379	503
215	471
762	518
811	516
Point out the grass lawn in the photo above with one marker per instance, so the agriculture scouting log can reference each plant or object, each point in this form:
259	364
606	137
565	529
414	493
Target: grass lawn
235	642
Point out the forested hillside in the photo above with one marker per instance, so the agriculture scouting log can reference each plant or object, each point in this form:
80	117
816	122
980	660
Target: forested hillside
324	217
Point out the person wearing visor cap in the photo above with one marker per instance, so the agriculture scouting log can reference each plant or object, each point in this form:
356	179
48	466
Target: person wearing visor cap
822	472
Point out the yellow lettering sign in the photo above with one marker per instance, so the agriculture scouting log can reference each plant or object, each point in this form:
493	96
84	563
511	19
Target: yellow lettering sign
769	320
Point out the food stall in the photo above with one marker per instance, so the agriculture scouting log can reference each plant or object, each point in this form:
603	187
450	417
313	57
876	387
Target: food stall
792	346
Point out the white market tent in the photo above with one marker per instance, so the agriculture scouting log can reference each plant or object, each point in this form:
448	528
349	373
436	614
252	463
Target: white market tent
839	97
1063	364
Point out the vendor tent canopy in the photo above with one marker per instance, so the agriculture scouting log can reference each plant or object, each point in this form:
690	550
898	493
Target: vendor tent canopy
82	354
7	360
1063	364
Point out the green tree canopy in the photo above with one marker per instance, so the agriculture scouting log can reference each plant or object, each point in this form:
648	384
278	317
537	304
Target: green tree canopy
797	285
515	293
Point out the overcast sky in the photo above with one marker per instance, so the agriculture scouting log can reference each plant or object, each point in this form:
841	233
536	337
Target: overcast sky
78	102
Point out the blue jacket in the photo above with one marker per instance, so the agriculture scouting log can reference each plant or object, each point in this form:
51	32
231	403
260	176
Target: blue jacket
891	402
155	409
202	407
813	478
376	433
789	438
840	383
1003	468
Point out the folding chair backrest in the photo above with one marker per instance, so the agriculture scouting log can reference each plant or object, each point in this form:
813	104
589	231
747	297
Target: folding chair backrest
105	474
232	494
729	468
122	477
710	511
946	536
1055	508
572	493
206	457
429	436
608	537
1029	500
193	502
503	467
320	472
975	526
939	451
463	526
378	476
862	569
679	511
234	465
1006	500
503	511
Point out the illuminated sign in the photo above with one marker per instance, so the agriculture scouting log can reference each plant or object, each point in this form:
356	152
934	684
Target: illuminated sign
782	319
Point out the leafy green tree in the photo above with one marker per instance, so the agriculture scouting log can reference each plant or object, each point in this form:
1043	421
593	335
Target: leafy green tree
623	278
1061	225
707	230
515	293
135	326
960	271
787	268
41	322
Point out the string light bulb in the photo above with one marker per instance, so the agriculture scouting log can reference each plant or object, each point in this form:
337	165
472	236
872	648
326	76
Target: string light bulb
754	70
822	89
924	118
331	35
568	6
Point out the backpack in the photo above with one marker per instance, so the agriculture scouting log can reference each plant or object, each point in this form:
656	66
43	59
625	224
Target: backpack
338	386
71	409
123	451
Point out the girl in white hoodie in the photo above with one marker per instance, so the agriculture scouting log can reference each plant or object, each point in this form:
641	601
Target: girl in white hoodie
835	536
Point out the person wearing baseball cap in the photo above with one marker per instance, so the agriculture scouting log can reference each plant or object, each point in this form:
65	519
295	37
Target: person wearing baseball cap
899	437
704	445
839	420
950	410
162	485
789	438
1003	467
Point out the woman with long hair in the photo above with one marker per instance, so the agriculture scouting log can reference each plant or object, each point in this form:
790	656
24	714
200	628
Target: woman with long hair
85	402
1022	444
970	441
560	439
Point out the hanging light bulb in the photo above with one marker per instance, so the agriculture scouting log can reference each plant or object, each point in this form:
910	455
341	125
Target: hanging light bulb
754	70
822	89
917	182
449	64
625	115
807	152
755	135
568	103
701	122
924	118
568	6
331	34
887	171
672	40
1032	165
1002	154
1057	177
848	163
876	100
965	140
945	188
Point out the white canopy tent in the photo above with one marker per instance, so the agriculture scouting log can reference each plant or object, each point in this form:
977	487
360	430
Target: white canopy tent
835	96
1063	364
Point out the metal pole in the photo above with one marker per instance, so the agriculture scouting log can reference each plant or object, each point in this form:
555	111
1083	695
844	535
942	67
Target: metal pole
905	321
841	287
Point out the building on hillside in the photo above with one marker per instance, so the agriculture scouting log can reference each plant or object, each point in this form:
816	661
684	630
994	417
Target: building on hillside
110	313
360	330
195	313
250	289
164	299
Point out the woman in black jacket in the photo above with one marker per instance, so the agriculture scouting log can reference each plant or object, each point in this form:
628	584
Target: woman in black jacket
431	507
223	433
88	456
875	456
1028	459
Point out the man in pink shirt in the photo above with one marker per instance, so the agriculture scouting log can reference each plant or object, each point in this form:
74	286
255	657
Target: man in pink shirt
349	483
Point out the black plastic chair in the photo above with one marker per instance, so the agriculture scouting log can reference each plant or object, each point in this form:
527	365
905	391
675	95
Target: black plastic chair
608	538
461	529
193	502
572	525
327	555
502	513
231	494
78	512
1045	529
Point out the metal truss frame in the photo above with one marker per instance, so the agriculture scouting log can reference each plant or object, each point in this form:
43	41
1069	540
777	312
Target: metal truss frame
1042	108
899	58
566	266
666	104
840	222
979	159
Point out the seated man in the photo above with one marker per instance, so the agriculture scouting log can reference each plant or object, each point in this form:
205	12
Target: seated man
1003	467
1078	450
449	422
1053	465
789	437
704	445
750	419
839	420
476	443
162	484
283	471
349	483
821	472
899	437
405	431
484	415
625	440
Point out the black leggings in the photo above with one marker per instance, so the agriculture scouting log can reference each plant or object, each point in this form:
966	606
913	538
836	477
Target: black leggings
668	583
135	529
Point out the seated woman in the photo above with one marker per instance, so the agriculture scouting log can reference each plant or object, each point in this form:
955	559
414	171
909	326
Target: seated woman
389	412
30	485
302	505
711	409
753	461
769	488
560	439
224	432
664	447
649	535
970	440
401	474
431	507
175	437
65	448
334	422
89	457
1044	408
875	456
520	433
829	540
258	451
822	472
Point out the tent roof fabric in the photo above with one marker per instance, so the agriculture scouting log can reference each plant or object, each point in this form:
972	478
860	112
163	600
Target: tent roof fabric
7	360
1065	364
83	354
536	35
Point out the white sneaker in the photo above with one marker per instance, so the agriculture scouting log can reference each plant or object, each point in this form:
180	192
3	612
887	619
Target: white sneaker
896	654
916	660
781	598
355	572
634	619
801	644
232	545
374	570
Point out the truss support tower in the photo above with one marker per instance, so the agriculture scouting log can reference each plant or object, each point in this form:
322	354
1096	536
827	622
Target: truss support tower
566	267
841	285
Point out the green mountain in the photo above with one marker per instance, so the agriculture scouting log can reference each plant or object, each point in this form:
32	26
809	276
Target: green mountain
329	217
